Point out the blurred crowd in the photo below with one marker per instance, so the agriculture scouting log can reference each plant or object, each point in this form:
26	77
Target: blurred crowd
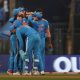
4	12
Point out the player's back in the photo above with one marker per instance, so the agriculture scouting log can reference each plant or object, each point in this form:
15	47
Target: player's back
17	23
27	30
41	26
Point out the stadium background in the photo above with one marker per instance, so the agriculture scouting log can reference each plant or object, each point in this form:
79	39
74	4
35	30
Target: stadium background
57	12
63	17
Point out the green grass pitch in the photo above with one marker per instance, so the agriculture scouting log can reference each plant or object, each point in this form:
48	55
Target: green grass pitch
42	77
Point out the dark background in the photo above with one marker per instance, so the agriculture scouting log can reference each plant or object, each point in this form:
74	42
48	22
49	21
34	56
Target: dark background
57	13
54	10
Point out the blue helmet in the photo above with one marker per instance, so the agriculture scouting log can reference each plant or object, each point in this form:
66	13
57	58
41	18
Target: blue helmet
37	14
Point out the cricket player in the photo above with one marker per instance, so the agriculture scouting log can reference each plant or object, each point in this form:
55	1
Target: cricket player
12	50
16	21
42	27
33	44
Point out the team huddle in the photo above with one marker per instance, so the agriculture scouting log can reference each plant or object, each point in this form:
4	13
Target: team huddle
28	31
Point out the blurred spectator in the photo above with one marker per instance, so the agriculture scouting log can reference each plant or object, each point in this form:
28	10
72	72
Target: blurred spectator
6	10
1	15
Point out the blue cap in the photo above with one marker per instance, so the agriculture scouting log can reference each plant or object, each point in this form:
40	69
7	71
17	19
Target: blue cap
15	12
11	20
37	14
25	20
21	9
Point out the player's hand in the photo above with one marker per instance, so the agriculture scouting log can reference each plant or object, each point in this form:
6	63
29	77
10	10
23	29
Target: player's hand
8	33
50	49
50	45
13	31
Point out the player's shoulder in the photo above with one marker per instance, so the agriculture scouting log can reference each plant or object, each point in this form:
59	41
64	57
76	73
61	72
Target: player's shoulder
17	21
45	20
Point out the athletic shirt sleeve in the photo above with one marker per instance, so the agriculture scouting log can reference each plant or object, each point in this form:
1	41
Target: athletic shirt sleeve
46	24
17	23
30	19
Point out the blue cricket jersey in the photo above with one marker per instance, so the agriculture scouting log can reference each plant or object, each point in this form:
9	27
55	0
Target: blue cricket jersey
39	26
27	31
16	24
